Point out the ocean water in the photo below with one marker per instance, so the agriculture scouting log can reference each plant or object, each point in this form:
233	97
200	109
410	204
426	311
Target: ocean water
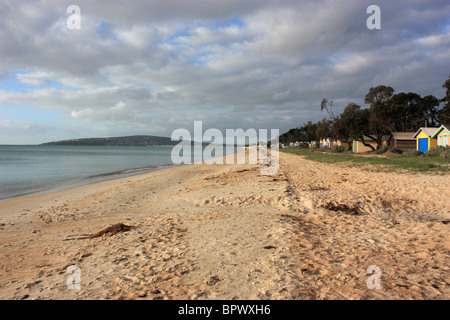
27	170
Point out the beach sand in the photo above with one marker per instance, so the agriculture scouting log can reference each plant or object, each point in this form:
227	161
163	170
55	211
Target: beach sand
226	232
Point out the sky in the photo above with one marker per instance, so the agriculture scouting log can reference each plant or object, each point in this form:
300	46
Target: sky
151	67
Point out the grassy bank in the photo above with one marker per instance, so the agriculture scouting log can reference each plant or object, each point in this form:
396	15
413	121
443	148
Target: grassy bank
374	162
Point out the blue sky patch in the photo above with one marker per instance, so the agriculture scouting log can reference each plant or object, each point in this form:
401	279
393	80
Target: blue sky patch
13	84
221	24
106	30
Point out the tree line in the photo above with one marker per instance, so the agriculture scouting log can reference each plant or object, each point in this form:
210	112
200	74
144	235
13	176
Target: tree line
387	113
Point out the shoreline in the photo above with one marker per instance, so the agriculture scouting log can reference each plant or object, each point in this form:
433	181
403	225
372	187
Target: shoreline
226	232
38	169
76	181
90	180
91	186
7	202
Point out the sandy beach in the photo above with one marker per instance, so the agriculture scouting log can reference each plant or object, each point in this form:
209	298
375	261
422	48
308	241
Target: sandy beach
227	232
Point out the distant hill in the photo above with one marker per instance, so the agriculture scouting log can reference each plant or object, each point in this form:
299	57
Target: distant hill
117	141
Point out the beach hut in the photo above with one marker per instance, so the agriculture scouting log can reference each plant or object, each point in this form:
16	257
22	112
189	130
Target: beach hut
340	142
326	143
424	140
442	135
359	147
402	140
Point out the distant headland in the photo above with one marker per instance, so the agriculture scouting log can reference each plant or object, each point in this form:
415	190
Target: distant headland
139	140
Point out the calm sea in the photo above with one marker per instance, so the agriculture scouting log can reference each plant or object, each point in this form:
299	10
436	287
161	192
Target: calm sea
27	170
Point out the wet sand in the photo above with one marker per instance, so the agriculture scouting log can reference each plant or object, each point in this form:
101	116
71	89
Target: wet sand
226	232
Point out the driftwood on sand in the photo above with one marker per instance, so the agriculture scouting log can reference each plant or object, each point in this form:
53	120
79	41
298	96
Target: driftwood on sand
111	230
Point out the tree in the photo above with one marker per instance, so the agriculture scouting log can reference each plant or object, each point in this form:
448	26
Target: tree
328	106
341	125
378	94
354	123
290	136
446	85
429	108
443	115
309	131
323	129
403	111
378	113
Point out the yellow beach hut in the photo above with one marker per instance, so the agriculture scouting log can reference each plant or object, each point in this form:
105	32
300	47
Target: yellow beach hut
443	136
424	138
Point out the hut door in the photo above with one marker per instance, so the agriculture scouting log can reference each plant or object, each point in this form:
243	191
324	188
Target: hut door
423	145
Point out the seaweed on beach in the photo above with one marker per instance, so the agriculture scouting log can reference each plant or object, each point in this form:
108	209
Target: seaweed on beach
110	231
342	207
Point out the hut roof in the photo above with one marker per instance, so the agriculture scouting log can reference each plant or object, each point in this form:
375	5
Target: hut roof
403	135
429	131
442	127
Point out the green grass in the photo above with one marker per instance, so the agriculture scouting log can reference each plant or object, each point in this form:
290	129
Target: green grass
426	164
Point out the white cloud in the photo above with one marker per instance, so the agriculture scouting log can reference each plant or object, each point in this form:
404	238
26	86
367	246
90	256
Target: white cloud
153	66
36	78
434	41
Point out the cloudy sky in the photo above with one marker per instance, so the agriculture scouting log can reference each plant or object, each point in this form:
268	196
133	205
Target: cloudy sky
150	67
